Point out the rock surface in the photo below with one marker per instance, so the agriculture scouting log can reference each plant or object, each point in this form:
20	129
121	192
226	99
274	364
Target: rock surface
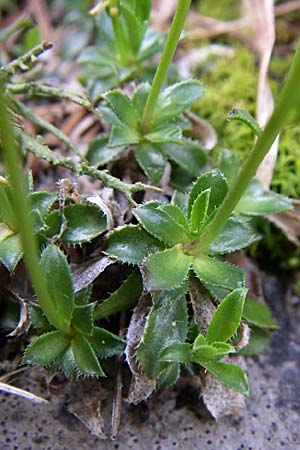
176	419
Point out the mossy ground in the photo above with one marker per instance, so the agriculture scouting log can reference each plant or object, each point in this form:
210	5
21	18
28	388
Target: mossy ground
232	81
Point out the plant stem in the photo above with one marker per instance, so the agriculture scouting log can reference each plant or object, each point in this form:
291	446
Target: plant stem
23	215
24	61
288	101
165	61
23	23
42	151
32	88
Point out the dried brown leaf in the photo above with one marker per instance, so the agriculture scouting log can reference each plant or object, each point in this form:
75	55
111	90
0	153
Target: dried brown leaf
220	400
289	223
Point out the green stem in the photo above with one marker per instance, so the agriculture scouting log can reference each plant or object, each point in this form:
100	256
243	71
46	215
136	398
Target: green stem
23	216
24	61
42	151
288	100
23	23
32	88
120	39
165	61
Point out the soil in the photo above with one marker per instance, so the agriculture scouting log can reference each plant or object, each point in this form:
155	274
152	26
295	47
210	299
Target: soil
176	418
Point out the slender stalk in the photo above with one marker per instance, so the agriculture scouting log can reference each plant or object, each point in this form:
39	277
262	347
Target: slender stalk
165	61
23	23
288	101
24	61
42	151
23	216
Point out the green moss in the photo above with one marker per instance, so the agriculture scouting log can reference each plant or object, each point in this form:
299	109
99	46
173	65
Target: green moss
222	9
229	82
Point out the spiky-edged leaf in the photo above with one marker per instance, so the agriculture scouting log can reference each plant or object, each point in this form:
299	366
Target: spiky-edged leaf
213	180
223	348
175	213
83	318
57	276
229	164
166	324
199	341
38	319
131	244
199	210
168	376
230	375
42	201
179	352
122	136
139	97
68	364
44	349
175	99
123	108
227	317
82	297
189	155
203	353
256	202
99	153
85	357
11	251
160	224
244	116
123	298
167	269
259	314
235	235
84	223
105	343
152	159
218	273
165	133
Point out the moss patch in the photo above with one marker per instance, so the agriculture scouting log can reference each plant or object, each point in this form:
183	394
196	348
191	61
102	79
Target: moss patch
222	9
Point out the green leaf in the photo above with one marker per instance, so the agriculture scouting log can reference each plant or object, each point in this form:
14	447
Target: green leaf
158	223
131	244
168	376
175	214
218	273
11	251
229	164
83	318
122	136
57	275
134	27
230	375
227	317
152	160
259	314
179	352
6	209
235	235
123	298
84	223
166	324
189	155
175	99
165	133
106	344
139	97
213	180
244	116
167	269
42	201
256	202
223	348
85	357
123	108
83	296
44	349
203	353
199	210
38	319
68	364
99	153
199	341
